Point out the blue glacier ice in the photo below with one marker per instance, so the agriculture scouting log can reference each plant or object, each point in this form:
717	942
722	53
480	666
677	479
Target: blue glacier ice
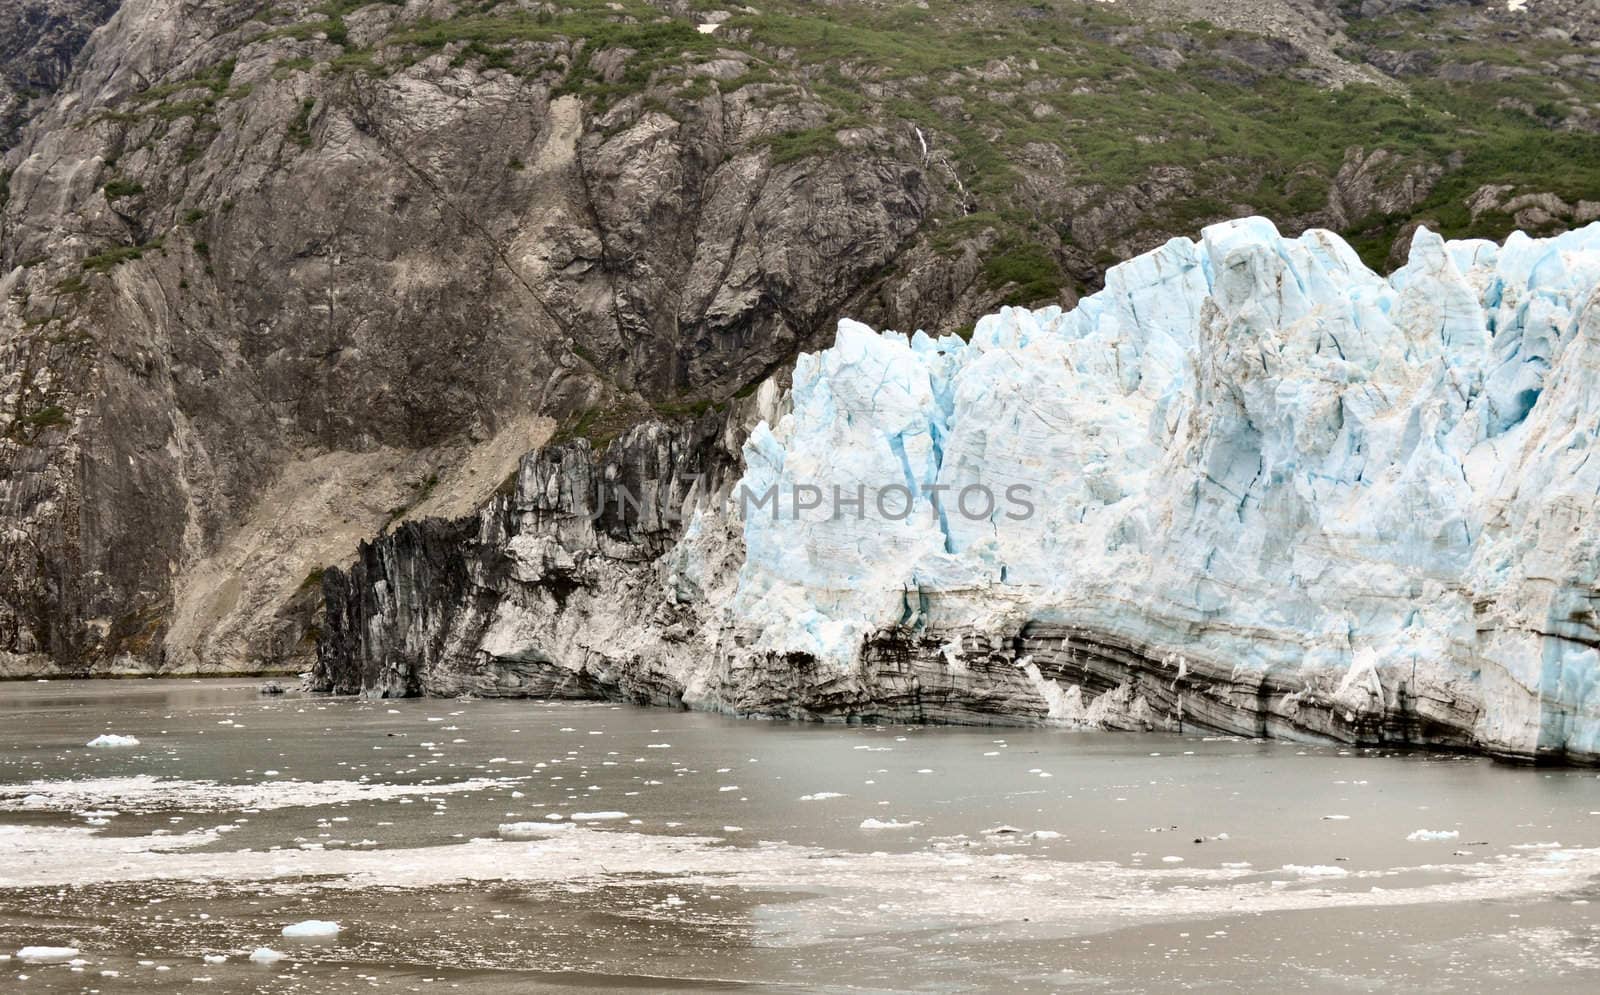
1247	455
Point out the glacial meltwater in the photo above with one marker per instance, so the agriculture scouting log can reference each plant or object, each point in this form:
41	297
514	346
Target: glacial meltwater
487	846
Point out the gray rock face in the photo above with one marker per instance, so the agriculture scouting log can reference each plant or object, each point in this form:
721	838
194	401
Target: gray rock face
39	40
549	589
1376	183
224	275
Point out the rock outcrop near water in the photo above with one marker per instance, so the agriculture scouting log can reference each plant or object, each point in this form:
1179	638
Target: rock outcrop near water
1250	487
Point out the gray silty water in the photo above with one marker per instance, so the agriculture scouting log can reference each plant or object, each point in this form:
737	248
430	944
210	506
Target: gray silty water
506	845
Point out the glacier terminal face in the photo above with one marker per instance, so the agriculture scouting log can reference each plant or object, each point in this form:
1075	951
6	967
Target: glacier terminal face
1249	487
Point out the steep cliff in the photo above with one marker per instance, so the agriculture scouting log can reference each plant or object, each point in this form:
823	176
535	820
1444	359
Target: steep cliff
39	41
1250	487
280	275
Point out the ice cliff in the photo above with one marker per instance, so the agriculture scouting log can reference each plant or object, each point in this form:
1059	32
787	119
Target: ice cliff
1250	487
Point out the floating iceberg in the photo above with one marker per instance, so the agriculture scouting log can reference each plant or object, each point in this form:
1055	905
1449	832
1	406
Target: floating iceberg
1432	835
311	929
112	741
46	955
1315	870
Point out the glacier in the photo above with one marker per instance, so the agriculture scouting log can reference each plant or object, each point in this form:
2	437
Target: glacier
1268	492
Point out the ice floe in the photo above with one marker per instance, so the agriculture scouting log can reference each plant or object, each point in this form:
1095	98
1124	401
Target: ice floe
311	929
112	741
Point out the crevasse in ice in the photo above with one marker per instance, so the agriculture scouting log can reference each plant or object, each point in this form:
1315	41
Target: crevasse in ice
1249	450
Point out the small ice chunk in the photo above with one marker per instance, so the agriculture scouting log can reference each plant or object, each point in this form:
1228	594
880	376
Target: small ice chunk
1432	835
46	955
1315	870
311	928
265	955
597	816
531	830
111	741
887	824
821	796
216	958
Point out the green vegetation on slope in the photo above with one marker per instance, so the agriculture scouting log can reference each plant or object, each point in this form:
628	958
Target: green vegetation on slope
1040	118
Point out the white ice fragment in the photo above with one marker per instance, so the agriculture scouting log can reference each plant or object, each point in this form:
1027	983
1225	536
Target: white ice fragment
597	816
46	955
870	823
1315	870
531	830
311	928
265	955
821	796
1431	835
112	741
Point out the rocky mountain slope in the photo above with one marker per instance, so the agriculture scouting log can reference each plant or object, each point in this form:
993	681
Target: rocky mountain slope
1250	487
39	41
280	275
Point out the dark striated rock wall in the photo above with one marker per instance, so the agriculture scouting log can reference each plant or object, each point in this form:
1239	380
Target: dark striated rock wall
576	534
